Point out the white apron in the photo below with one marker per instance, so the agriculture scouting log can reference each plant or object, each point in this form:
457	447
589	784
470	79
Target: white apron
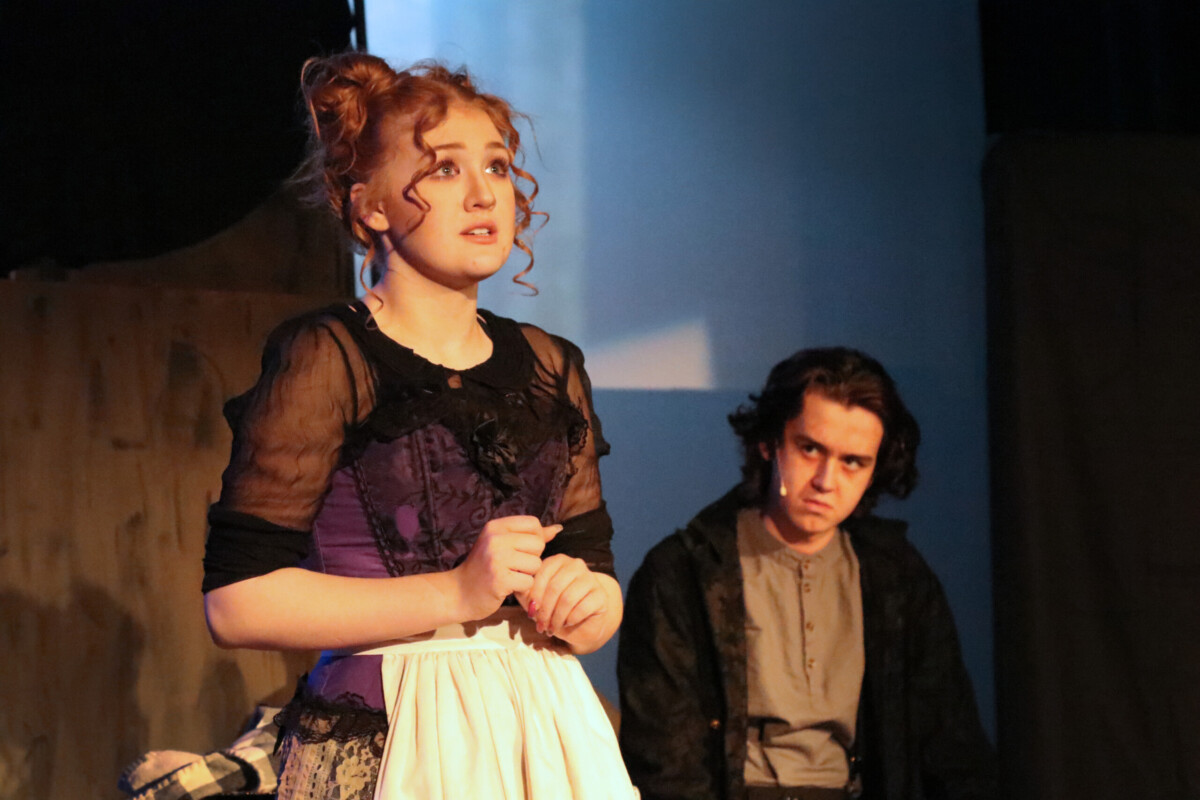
493	710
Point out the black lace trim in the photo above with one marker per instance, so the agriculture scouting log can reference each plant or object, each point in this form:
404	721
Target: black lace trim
577	428
496	433
494	452
313	719
388	547
499	411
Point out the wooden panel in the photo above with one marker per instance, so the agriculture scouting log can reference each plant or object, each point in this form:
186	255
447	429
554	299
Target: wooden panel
283	245
111	448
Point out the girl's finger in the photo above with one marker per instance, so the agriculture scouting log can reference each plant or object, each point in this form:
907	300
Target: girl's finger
571	597
517	524
524	562
552	591
591	606
518	582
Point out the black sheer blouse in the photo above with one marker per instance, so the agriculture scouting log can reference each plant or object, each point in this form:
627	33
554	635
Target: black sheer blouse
355	456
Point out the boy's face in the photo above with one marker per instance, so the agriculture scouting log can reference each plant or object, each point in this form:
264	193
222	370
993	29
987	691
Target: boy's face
824	464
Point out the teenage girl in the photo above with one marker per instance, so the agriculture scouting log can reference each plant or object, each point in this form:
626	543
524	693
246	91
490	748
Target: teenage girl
413	487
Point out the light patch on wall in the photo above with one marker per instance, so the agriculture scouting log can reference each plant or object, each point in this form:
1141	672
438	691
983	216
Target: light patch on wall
679	357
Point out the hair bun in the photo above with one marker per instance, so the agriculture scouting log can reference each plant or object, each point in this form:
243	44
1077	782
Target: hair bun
338	91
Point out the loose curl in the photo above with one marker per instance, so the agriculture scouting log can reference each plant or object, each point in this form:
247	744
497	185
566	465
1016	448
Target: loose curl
845	376
355	103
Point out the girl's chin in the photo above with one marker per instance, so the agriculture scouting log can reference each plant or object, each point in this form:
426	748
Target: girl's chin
459	277
481	272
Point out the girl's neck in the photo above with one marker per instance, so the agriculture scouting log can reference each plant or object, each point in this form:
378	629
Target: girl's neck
438	323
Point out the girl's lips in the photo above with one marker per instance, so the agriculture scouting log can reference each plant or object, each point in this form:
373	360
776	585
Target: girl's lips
480	234
481	238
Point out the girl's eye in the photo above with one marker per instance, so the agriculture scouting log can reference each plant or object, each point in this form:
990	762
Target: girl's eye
498	167
445	169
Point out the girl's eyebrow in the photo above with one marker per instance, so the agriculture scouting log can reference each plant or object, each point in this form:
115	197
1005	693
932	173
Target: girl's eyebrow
461	146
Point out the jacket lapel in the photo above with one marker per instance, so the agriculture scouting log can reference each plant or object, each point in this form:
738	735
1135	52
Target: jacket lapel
713	536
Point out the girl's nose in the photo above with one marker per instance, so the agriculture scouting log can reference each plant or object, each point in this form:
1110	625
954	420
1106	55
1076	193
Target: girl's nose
479	193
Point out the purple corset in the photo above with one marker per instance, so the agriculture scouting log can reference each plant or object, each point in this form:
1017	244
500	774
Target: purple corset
414	505
417	503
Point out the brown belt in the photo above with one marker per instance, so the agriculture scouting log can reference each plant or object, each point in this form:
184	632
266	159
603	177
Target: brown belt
794	793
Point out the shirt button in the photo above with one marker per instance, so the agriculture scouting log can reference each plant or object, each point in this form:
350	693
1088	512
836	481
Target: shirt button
808	626
807	586
715	724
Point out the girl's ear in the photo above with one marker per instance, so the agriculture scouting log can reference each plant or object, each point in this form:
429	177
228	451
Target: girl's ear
373	218
766	451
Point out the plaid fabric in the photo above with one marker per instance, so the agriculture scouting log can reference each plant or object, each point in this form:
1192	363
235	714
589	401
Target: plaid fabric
248	766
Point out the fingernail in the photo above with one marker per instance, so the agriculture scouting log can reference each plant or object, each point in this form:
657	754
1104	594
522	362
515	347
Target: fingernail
532	609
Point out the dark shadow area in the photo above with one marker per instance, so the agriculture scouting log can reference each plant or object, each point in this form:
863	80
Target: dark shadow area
87	720
1091	65
1093	265
130	129
1092	200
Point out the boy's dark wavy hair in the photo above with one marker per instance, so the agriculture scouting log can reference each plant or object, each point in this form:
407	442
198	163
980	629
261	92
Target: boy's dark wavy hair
849	377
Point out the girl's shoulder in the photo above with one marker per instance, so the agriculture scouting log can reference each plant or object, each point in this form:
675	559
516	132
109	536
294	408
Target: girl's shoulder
348	327
557	354
326	331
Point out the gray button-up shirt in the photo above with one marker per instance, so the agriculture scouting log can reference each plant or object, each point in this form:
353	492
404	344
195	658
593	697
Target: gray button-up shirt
804	638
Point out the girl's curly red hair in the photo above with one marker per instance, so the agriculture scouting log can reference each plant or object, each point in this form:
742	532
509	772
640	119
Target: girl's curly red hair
354	101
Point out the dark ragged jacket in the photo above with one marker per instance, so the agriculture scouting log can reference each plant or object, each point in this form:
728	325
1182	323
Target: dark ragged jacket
682	671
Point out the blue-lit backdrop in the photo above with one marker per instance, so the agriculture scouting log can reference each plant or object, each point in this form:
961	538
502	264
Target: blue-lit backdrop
731	181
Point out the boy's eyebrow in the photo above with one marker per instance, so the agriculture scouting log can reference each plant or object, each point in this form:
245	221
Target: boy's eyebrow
804	439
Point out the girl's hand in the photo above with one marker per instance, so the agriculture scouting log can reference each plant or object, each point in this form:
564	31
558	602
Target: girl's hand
564	595
504	560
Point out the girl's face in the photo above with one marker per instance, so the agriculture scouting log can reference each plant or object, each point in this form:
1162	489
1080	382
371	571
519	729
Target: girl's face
467	232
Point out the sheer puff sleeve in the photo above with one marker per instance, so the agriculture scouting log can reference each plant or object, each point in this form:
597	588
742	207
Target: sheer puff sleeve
587	528
288	432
